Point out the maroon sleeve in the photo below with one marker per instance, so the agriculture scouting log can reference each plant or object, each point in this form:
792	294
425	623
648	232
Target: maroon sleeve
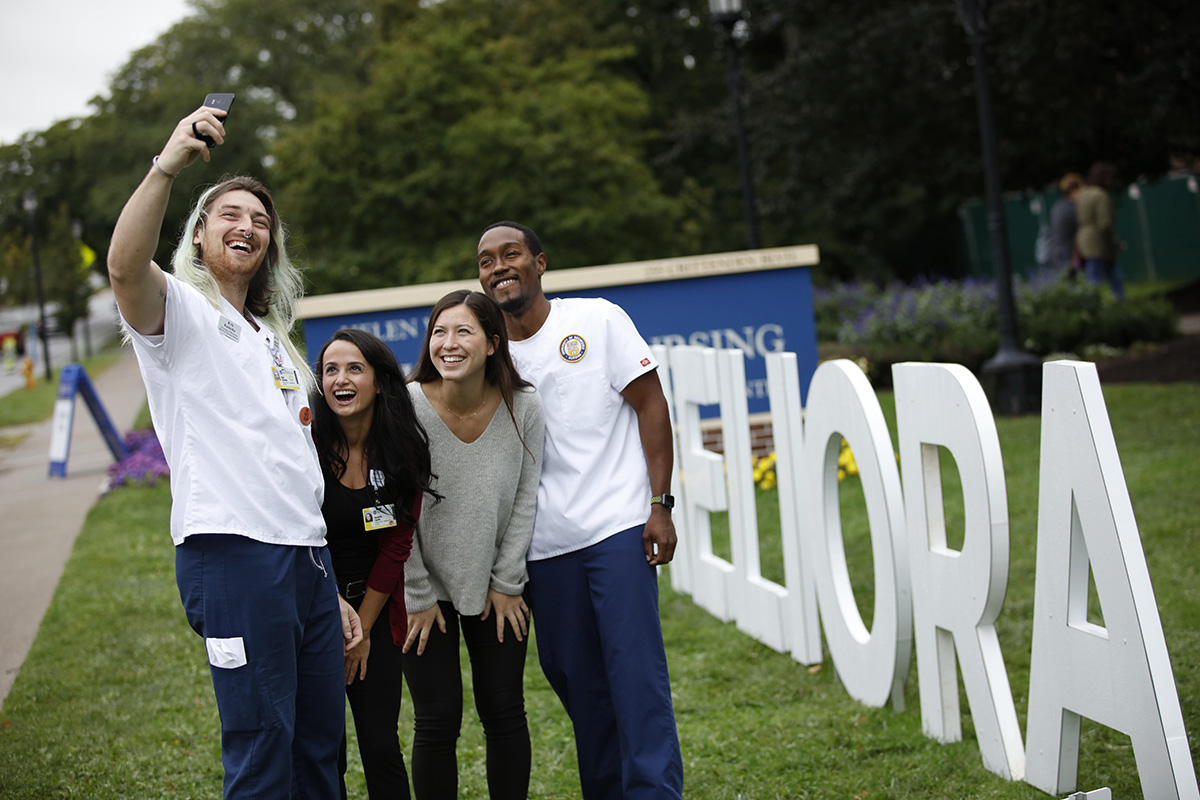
395	544
387	575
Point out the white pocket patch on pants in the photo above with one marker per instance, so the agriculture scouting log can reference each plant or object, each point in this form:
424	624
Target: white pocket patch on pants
226	653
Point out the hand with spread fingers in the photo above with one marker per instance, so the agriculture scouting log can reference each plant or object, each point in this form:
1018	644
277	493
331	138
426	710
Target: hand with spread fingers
419	626
356	661
510	608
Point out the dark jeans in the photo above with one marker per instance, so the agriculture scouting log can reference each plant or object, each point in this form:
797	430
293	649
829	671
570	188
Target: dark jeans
375	704
1099	271
435	683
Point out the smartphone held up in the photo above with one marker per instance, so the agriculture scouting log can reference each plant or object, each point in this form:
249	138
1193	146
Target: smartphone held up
218	101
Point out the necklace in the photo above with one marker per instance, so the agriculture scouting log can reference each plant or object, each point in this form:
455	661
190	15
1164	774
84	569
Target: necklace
461	417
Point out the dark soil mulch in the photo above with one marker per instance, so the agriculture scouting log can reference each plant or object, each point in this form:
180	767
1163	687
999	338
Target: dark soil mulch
1173	362
1186	298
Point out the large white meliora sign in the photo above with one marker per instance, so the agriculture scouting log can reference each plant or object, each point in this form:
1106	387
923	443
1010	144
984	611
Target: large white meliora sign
944	600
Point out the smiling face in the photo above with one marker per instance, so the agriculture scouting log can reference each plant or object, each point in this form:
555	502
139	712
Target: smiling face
347	380
234	237
508	271
458	346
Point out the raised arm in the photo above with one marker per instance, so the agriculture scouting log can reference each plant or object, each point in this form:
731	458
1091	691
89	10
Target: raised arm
645	395
138	283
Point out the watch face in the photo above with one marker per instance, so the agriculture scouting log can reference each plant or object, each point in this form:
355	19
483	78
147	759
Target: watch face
666	500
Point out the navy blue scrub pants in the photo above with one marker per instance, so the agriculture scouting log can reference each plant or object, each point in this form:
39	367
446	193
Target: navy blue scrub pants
600	644
273	631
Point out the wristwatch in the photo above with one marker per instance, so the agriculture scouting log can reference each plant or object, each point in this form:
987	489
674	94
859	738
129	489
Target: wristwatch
667	501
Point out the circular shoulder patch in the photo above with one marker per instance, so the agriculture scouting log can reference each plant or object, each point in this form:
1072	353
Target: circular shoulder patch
305	415
572	348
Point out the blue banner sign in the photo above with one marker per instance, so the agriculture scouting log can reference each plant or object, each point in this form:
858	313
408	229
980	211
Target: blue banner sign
759	301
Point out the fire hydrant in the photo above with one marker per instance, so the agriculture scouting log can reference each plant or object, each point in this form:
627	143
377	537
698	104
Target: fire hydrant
27	371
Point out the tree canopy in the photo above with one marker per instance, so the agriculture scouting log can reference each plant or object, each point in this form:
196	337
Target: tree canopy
462	123
392	131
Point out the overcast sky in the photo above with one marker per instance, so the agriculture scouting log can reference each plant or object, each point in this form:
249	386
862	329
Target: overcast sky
56	55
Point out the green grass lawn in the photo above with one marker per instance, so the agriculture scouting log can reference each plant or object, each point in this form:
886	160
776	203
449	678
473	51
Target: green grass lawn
114	700
22	406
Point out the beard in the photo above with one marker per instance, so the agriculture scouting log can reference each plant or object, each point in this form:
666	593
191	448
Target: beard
226	268
515	304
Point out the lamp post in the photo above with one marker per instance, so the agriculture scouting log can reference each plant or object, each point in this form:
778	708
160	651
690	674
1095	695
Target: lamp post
31	204
727	13
1012	377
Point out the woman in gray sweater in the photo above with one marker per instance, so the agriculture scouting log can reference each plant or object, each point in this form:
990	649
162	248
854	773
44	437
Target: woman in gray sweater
467	568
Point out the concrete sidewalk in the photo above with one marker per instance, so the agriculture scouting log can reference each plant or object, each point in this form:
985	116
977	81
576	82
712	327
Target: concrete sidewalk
41	516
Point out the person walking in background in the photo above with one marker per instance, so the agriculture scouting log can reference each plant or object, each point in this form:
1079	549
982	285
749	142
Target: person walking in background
1097	235
228	396
603	520
1063	226
374	456
468	571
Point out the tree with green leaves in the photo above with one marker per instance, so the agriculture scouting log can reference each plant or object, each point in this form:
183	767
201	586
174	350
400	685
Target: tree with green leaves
864	124
276	55
472	114
395	128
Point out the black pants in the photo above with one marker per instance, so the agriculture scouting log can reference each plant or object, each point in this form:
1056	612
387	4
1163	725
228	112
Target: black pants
375	703
435	683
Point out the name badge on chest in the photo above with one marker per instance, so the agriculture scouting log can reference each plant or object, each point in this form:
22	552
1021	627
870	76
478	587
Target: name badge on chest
229	329
381	516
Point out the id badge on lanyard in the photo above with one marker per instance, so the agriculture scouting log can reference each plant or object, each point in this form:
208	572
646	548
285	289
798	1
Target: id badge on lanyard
380	515
284	377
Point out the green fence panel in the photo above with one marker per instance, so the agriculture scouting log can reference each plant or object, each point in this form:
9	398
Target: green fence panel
1158	223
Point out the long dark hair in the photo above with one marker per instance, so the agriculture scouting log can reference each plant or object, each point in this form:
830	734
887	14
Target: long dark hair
396	445
499	369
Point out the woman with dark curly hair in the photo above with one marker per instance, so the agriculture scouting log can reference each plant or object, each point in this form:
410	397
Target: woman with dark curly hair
374	454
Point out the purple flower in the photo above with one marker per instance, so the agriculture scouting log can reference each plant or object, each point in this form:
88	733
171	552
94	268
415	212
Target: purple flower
145	463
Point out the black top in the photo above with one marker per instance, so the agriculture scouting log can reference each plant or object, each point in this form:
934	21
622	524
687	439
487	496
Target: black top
353	549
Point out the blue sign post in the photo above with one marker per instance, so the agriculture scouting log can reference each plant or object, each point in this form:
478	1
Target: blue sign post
759	301
74	380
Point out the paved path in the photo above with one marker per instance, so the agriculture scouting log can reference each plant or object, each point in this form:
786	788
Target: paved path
41	516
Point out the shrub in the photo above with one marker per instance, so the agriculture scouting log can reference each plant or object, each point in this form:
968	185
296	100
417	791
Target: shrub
957	321
841	301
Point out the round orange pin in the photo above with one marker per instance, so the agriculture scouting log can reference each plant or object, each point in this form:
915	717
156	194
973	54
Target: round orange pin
305	415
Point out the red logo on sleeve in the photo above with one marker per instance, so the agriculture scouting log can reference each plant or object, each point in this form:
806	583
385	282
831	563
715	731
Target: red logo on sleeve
645	362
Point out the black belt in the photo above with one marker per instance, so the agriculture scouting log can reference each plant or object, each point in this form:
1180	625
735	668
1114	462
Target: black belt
353	589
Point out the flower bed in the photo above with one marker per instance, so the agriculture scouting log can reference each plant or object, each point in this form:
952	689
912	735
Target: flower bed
144	465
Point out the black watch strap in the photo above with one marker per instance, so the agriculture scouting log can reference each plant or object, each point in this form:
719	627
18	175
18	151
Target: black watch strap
667	501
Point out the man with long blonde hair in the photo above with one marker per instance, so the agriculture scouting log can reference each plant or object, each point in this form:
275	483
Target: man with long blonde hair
228	394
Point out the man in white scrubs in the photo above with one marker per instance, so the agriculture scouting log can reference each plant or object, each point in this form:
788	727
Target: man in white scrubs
603	520
228	394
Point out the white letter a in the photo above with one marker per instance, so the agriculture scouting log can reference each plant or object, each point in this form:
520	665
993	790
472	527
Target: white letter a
1119	675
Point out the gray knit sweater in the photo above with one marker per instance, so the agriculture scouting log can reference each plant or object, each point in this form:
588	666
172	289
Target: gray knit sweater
476	537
